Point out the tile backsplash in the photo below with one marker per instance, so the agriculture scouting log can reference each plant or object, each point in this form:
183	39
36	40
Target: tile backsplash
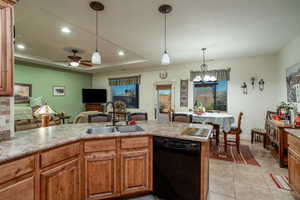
5	118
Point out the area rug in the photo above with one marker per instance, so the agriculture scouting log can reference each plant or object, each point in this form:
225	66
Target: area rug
244	157
281	182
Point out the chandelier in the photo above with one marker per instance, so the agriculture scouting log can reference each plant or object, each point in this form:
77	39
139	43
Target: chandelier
204	75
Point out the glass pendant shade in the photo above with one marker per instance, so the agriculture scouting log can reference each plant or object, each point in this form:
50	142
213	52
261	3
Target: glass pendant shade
165	59
96	58
74	64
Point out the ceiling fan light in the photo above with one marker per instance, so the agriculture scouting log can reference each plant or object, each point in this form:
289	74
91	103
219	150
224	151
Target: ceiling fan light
96	58
165	59
74	64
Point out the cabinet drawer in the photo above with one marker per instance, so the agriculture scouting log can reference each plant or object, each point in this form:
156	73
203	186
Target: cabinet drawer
23	190
59	154
100	145
16	168
136	142
294	143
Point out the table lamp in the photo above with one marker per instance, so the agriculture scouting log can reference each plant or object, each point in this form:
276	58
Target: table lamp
45	111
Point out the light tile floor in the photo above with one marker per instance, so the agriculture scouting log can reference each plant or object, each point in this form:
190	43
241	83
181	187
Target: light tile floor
230	181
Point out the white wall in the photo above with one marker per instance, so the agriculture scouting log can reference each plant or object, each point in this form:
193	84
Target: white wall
254	105
287	57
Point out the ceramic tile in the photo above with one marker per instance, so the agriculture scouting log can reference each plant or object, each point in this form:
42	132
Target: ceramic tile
250	192
279	194
215	196
222	185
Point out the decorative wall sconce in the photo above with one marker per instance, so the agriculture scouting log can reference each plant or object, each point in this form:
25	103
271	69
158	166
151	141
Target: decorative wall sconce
261	84
253	81
245	88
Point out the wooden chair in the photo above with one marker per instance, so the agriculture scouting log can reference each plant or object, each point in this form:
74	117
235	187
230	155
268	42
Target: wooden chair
99	118
178	117
257	133
235	131
139	116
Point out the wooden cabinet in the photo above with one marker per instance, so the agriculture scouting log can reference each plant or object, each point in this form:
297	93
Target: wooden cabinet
6	49
94	107
117	167
61	183
134	171
17	179
294	171
92	170
101	175
59	154
21	190
294	162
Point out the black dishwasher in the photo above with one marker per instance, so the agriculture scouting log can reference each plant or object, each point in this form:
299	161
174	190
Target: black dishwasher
176	169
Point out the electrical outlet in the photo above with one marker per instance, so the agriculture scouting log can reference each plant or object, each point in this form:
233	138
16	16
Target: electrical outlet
2	121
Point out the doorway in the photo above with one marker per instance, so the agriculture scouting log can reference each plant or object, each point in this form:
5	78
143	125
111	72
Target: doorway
164	101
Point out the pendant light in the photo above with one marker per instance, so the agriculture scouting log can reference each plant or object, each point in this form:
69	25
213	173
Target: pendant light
97	6
165	9
204	76
203	67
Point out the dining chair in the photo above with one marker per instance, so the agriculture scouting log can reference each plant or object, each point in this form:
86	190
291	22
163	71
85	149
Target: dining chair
179	117
235	131
215	133
257	133
138	116
99	118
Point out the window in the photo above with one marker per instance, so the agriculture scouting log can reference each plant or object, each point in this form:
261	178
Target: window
212	95
129	94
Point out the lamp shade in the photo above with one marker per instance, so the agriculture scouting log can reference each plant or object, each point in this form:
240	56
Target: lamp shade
96	58
165	59
197	79
74	64
45	110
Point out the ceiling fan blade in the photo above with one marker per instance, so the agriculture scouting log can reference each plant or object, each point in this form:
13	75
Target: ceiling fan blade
86	61
61	60
86	64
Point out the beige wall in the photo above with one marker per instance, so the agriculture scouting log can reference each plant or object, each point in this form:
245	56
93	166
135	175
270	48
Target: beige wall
254	105
287	57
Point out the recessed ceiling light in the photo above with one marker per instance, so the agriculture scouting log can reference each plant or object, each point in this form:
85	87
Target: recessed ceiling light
65	30
121	53
20	46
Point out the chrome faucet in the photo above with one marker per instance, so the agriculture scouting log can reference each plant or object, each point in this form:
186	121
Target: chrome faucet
114	113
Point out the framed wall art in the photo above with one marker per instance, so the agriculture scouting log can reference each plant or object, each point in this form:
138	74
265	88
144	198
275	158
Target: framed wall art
58	90
22	93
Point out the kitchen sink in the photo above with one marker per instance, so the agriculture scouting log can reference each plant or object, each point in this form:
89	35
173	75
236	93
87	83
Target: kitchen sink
114	129
102	129
126	129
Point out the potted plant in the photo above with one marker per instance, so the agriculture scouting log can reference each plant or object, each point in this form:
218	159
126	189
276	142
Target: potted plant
283	110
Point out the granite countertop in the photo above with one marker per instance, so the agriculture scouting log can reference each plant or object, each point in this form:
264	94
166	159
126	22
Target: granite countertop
30	141
294	132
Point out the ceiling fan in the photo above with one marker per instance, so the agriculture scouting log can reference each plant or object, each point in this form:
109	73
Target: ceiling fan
75	60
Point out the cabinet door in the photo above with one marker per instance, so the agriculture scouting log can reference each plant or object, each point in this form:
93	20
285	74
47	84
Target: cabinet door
6	51
101	175
297	173
61	183
294	170
291	169
22	190
135	171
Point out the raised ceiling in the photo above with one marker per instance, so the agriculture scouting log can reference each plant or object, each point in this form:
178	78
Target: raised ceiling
228	28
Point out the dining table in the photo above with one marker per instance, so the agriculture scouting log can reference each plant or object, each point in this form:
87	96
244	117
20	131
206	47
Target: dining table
218	120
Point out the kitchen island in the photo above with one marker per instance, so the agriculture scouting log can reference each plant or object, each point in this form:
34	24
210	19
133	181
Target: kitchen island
66	163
